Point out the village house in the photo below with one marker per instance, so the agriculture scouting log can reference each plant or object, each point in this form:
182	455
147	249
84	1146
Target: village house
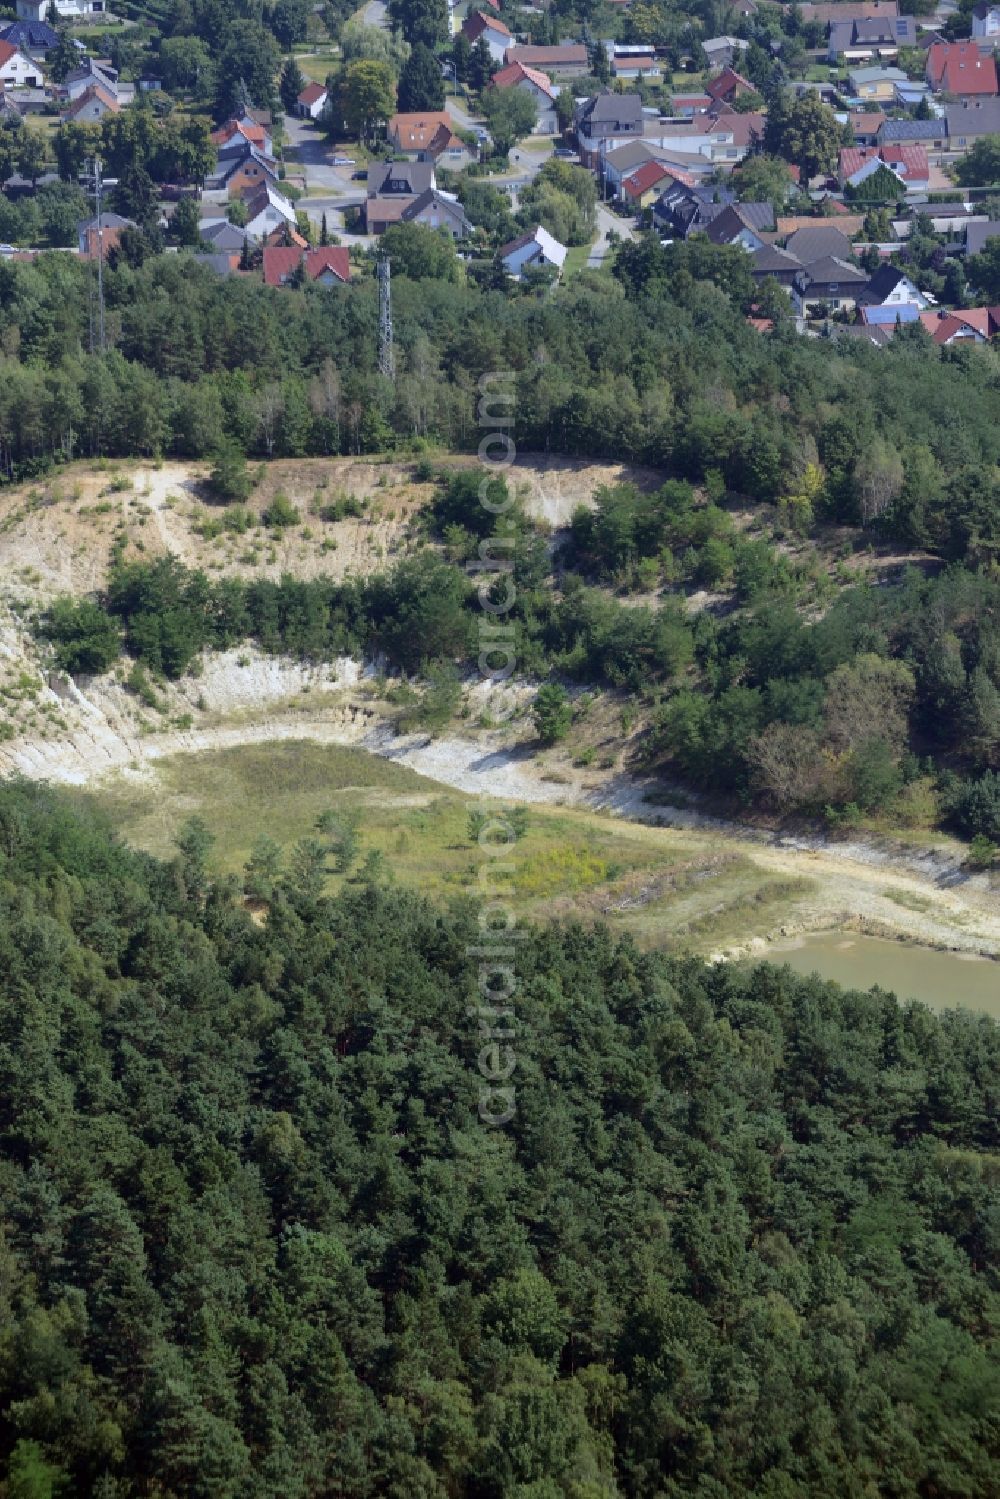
968	122
908	162
685	207
771	264
245	129
742	224
931	134
859	40
438	210
960	69
632	63
817	242
34	38
538	86
91	106
727	86
605	122
963	325
17	69
722	51
429	136
90	74
312	102
641	188
891	287
875	84
97	238
241	166
38	10
531	251
985	21
267	210
827	284
568	59
493	31
329	265
831	11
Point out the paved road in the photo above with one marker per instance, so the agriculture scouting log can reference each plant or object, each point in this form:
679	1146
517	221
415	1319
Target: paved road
374	14
606	222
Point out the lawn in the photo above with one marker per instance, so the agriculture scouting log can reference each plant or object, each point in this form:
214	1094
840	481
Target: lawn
571	863
576	260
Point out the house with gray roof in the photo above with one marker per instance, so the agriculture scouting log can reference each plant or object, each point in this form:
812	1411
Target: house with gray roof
978	234
400	178
770	263
931	134
870	36
819	243
828	283
969	122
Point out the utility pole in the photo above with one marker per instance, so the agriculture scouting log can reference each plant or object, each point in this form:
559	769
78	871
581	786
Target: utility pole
386	357
94	169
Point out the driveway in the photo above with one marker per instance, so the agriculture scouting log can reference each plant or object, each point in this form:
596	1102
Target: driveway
606	223
307	147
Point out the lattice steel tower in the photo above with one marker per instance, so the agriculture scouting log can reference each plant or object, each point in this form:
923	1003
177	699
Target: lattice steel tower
386	358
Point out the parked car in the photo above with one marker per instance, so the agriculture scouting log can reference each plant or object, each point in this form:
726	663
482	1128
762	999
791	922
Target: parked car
361	176
343	161
564	153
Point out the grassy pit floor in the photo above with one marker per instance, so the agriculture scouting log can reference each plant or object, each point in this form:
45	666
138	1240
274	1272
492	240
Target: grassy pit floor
659	884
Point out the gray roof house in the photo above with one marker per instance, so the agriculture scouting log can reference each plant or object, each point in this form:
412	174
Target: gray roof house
769	261
808	245
967	123
910	132
829	281
976	235
396	178
871	36
610	116
438	211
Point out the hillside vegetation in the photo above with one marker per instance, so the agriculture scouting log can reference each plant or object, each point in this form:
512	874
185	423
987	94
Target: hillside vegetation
738	1237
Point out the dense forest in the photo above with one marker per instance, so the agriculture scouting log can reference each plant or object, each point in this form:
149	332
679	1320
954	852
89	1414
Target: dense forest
738	1238
657	365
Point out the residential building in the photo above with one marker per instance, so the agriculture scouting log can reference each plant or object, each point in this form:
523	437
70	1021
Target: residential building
888	315
38	10
876	84
686	105
400	178
985	21
908	161
641	188
827	13
96	239
865	125
960	69
90	74
979	233
247	129
225	238
818	242
91	106
241	166
496	35
312	101
931	134
605	122
267	210
967	324
539	87
429	136
17	69
970	121
859	40
438	210
742	224
771	264
827	284
220	263
329	265
685	208
891	287
632	63
727	86
568	59
531	251
721	51
33	38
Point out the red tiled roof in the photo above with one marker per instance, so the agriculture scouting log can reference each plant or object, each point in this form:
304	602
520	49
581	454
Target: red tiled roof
311	94
728	82
516	72
281	261
960	68
7	51
645	177
255	134
479	22
94	91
